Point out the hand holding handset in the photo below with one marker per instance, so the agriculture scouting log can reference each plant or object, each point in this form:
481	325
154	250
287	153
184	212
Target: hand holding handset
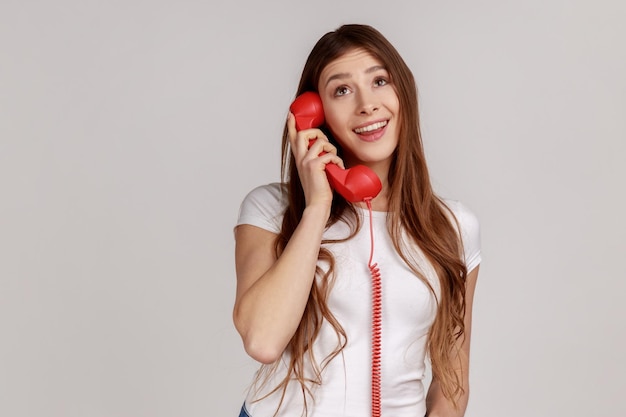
355	184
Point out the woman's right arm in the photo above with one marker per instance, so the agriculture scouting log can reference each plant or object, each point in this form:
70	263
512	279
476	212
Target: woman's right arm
272	292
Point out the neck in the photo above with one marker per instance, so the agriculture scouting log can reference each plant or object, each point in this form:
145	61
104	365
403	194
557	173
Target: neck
380	202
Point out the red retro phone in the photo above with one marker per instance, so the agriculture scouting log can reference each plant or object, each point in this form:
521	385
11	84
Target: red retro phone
355	184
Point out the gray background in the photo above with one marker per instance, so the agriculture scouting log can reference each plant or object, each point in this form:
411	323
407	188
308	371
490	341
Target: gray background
131	130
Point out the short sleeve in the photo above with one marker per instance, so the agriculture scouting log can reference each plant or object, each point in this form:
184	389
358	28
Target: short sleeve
470	233
263	207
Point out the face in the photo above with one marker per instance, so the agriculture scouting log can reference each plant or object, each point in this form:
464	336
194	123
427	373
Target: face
361	108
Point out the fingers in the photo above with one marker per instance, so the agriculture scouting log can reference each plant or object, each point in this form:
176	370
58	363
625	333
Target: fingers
308	140
291	128
312	152
325	151
300	140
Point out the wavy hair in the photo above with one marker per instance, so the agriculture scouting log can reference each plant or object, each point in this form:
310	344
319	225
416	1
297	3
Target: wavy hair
414	212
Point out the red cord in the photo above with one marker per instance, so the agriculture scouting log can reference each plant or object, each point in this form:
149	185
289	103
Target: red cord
376	320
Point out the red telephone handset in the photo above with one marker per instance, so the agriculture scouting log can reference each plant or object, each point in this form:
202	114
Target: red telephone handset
355	184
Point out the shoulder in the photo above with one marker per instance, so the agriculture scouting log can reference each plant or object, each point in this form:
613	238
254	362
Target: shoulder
264	207
272	194
468	226
466	218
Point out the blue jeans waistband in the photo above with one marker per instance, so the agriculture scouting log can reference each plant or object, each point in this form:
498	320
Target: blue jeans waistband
243	412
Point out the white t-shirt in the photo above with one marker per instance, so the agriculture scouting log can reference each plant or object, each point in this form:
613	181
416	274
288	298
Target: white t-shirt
408	311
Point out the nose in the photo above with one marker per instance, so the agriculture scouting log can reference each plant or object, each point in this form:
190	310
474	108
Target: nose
367	103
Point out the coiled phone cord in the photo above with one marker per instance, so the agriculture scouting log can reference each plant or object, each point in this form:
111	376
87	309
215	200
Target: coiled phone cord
376	320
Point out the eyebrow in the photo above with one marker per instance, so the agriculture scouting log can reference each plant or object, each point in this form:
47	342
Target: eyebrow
344	75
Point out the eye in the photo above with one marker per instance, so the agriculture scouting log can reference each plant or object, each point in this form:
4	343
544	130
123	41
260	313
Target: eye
341	91
380	82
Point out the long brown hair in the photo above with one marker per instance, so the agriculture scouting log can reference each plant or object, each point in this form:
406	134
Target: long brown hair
414	212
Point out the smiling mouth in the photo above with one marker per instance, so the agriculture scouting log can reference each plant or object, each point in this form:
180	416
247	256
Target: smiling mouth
372	127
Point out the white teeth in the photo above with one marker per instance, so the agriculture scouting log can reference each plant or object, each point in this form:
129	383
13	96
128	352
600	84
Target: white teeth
371	127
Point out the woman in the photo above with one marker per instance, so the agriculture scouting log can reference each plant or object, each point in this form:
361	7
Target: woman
303	304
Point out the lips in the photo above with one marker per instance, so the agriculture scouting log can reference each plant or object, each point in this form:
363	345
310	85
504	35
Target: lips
371	132
371	127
